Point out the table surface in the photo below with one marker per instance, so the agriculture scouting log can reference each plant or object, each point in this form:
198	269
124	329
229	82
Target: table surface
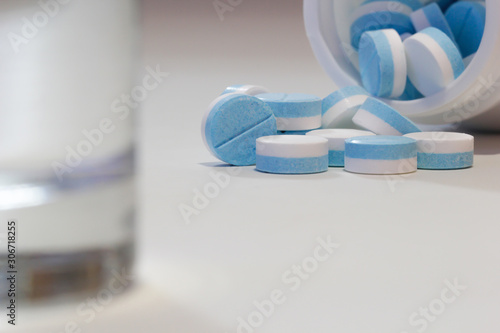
400	243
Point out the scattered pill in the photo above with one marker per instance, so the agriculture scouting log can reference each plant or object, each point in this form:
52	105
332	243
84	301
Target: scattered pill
339	107
292	154
381	155
245	89
444	150
336	142
382	62
294	112
467	21
377	15
433	61
231	125
380	118
431	16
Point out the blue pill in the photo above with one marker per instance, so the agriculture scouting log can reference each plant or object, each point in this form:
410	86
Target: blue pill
294	112
378	15
381	155
382	119
467	21
292	154
339	107
231	125
382	62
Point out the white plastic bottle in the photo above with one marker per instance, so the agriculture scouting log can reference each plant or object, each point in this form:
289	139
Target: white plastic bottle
474	98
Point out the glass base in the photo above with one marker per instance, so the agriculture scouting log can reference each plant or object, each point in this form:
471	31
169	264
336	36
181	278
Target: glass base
66	275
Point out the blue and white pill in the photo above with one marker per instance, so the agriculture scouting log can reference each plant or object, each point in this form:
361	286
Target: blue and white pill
433	61
431	16
292	154
467	21
246	89
377	15
339	107
336	142
381	155
231	125
294	112
382	63
379	118
444	150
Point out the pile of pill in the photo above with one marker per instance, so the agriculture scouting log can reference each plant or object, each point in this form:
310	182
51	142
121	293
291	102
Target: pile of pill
303	134
408	49
404	49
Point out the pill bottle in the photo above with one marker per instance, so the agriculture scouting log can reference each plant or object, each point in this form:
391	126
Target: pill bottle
473	99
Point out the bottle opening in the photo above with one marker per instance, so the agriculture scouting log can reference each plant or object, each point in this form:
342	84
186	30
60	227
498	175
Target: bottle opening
328	27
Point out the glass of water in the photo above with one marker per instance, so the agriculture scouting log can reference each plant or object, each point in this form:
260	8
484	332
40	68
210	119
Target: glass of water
66	145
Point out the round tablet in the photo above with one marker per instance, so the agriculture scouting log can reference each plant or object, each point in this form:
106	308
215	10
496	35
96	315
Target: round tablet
294	112
336	142
467	21
246	89
433	61
431	16
339	107
444	150
377	15
381	155
292	154
231	125
382	63
380	118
